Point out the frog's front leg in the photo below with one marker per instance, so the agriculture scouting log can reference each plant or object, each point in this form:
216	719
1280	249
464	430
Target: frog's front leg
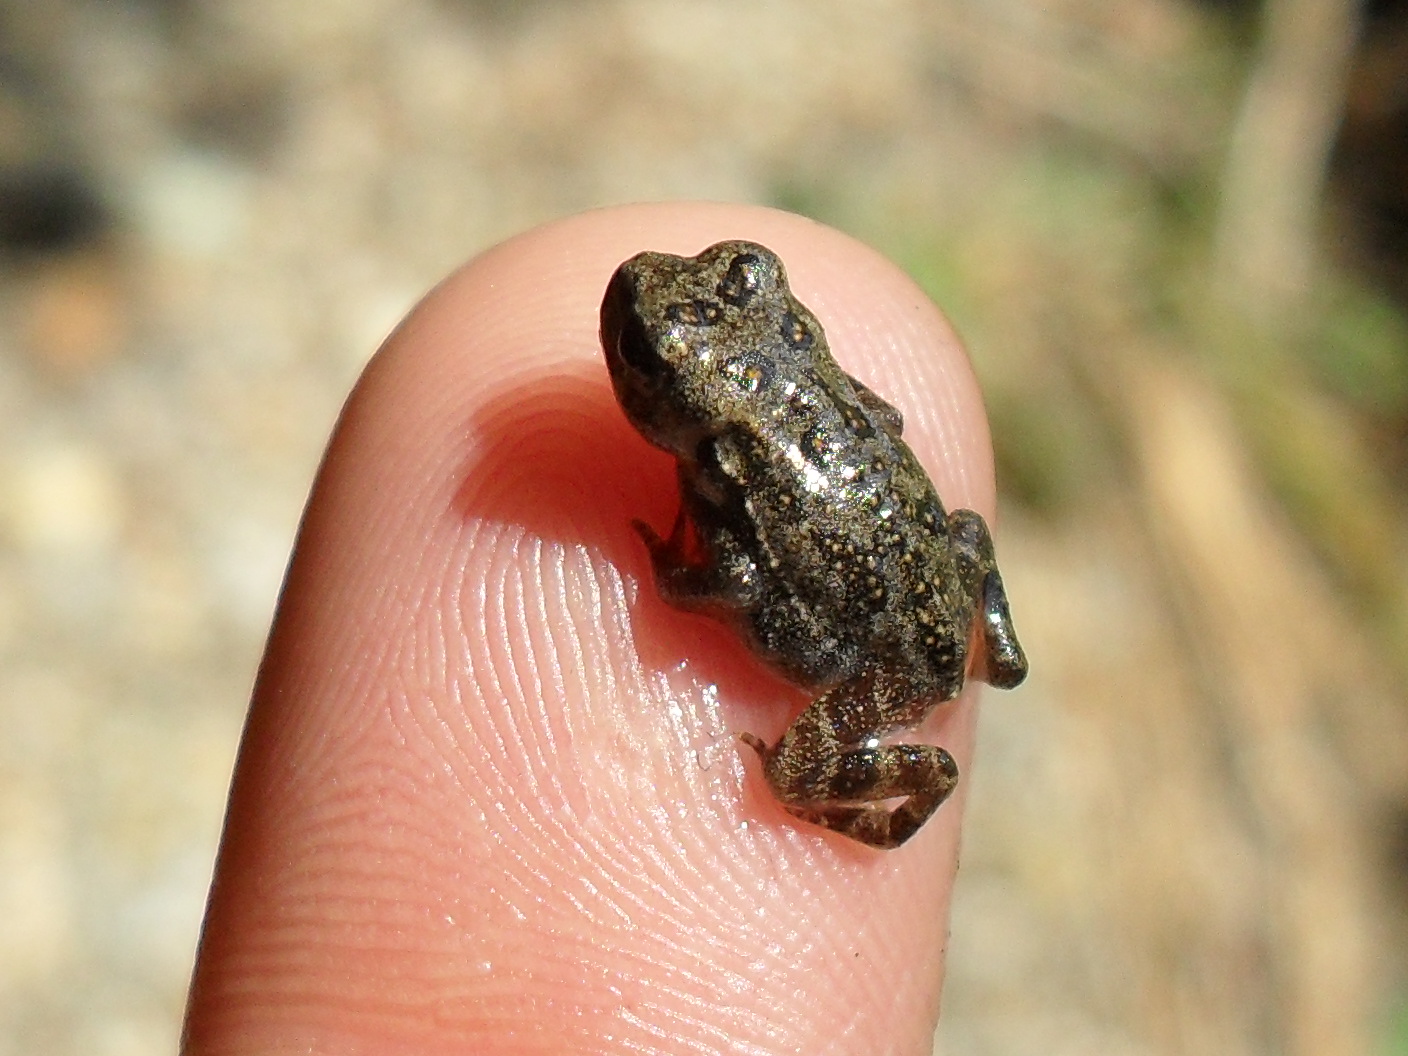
714	575
891	419
828	769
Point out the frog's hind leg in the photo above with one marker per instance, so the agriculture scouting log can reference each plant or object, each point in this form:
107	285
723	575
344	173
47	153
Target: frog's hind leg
827	768
923	773
1000	660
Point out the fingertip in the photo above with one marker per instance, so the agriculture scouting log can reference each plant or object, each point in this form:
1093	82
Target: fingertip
466	746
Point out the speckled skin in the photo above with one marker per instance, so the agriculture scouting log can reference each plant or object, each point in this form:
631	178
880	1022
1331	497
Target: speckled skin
807	524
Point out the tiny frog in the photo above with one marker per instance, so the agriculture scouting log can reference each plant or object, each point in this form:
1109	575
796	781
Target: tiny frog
808	525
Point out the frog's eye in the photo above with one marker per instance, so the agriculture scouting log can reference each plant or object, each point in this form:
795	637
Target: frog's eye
796	333
695	313
742	280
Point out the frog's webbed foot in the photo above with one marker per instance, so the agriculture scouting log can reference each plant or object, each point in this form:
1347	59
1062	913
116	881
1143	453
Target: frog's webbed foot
828	772
1001	662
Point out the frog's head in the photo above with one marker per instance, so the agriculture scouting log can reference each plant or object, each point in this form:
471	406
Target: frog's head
693	344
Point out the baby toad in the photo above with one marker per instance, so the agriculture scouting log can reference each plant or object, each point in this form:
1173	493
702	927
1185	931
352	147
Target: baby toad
808	525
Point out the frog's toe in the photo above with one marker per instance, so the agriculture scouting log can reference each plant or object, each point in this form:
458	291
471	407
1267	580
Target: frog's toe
756	743
648	535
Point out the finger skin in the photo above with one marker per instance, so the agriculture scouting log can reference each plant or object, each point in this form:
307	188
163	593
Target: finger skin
487	800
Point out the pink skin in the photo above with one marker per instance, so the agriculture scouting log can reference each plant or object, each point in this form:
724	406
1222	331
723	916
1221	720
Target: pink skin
487	801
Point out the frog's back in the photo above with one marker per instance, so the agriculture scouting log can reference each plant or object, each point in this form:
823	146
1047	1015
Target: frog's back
856	542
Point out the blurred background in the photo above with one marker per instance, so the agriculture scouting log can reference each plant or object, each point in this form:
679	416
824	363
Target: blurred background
1173	233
